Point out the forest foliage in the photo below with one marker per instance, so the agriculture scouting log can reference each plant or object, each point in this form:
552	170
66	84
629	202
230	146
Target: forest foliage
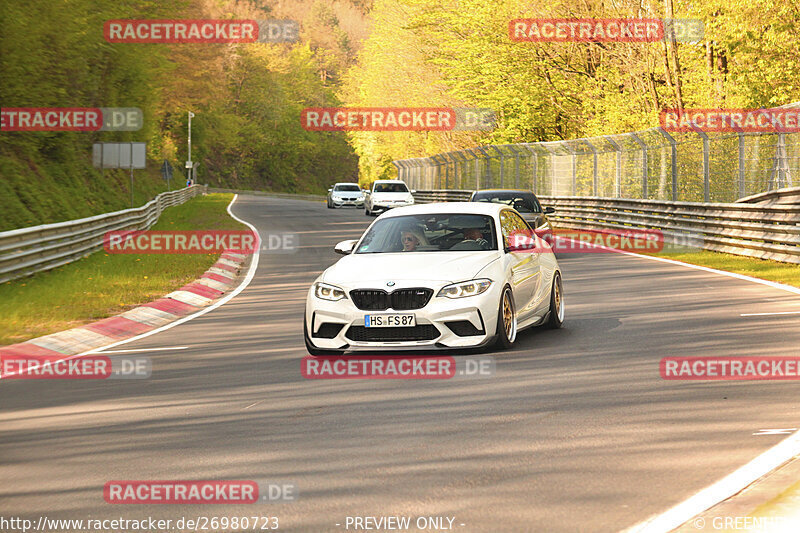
366	53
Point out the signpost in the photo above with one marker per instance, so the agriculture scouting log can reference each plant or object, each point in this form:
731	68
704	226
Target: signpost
166	173
120	155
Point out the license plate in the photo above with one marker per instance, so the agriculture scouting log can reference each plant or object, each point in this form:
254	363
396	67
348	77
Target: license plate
389	321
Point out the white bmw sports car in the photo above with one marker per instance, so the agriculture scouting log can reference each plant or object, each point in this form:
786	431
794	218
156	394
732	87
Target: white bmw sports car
435	276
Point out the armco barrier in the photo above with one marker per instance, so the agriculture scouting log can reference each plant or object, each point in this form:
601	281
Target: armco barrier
449	195
26	251
747	229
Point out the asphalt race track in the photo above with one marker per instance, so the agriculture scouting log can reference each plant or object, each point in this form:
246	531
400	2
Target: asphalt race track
575	432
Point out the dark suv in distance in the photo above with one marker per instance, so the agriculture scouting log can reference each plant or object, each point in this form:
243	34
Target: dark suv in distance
524	202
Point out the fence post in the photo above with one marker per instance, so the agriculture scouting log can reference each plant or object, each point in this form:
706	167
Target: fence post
488	165
594	166
673	161
742	183
574	163
477	171
399	169
706	165
643	146
516	165
502	160
618	167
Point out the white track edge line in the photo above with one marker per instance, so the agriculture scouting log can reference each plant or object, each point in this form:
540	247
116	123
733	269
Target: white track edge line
742	477
772	314
242	286
250	273
723	489
773	284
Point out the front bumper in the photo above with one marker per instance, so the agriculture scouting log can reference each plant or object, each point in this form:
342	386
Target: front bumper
385	206
480	312
338	202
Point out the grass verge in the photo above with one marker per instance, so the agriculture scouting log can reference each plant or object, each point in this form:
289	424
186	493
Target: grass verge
786	273
103	285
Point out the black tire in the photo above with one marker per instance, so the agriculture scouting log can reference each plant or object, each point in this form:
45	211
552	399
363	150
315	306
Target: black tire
313	350
506	331
366	212
556	319
329	205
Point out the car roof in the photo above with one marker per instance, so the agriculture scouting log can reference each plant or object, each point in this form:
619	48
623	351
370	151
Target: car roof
388	181
492	191
466	208
345	183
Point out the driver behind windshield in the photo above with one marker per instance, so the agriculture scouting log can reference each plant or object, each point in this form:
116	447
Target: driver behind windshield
474	234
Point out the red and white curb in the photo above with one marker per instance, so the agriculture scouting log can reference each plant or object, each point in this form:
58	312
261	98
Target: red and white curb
203	292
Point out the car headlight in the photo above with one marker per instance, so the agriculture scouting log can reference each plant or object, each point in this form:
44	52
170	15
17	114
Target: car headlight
324	291
465	288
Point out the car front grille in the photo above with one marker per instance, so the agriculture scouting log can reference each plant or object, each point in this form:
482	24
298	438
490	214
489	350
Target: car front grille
370	300
399	300
421	332
405	299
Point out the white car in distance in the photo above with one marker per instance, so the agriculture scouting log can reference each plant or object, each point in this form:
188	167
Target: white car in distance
435	276
345	194
385	195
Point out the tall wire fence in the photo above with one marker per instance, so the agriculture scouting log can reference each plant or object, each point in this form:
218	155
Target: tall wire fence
651	164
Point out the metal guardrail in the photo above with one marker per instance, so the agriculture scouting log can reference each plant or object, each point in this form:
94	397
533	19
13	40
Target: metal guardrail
26	251
752	230
789	195
426	197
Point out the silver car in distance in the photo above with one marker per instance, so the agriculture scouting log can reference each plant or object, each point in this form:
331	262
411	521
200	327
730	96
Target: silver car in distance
435	276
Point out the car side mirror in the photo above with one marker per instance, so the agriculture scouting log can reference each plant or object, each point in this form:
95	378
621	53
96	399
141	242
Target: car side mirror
549	210
413	191
329	190
345	247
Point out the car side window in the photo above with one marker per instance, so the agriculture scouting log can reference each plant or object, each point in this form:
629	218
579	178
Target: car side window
512	224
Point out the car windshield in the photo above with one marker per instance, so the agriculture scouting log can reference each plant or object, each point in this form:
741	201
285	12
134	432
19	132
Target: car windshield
391	187
346	188
522	202
441	232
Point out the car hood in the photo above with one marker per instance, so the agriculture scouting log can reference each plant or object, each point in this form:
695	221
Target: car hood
391	195
374	270
347	193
